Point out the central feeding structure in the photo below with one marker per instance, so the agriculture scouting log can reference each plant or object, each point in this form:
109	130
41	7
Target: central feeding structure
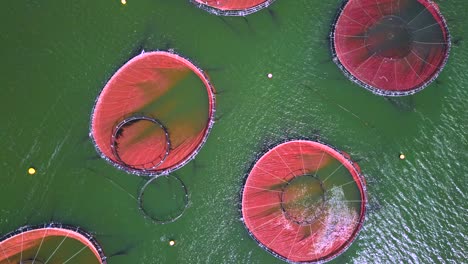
390	47
304	201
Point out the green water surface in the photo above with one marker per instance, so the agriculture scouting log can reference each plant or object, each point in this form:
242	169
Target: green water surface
58	55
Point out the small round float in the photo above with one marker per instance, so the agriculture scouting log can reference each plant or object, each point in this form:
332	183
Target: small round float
232	7
50	243
304	201
154	114
390	47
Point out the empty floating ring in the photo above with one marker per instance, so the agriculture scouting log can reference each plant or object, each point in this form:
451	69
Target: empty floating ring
166	202
135	143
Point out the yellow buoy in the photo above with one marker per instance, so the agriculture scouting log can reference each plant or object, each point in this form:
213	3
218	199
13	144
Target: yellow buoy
32	171
402	156
124	2
171	243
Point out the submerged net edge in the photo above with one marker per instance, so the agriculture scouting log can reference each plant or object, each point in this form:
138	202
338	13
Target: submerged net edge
361	184
219	12
57	225
376	90
211	97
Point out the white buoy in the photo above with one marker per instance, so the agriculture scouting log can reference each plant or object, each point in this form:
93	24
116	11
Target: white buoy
270	76
32	171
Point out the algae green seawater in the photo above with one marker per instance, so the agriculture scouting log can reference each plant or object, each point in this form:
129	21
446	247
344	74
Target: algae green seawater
58	55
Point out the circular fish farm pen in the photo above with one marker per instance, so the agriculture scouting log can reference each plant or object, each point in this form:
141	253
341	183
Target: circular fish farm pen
232	7
154	114
390	47
163	199
50	243
304	201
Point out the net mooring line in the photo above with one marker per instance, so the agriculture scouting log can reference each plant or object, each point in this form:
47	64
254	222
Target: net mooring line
22	241
263	189
40	245
320	163
284	162
74	255
269	173
341	165
3	250
53	253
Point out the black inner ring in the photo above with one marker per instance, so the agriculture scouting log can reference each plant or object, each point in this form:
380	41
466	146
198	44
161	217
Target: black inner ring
128	122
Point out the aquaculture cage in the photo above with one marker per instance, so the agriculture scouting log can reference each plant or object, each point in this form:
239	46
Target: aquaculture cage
232	7
154	114
390	47
50	243
304	201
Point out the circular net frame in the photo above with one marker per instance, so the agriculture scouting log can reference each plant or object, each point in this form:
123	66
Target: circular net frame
304	201
145	154
172	185
390	47
29	244
232	7
172	103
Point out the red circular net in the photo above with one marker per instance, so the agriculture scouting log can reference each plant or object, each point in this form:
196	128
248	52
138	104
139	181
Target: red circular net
231	4
391	47
51	243
304	201
154	114
232	7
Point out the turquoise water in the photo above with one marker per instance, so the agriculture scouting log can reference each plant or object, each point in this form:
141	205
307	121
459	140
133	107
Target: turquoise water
58	55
